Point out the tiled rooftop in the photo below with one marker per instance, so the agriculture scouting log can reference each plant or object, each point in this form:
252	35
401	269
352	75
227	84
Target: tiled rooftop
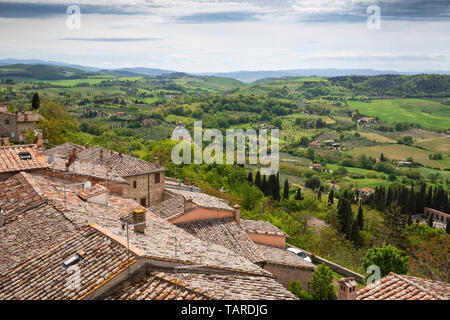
227	233
10	160
43	277
170	207
17	194
124	165
262	227
282	256
202	200
30	233
402	287
162	285
93	191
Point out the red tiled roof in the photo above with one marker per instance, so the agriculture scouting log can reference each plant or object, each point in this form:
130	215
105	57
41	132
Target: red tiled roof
263	227
200	286
92	192
19	194
402	287
43	278
227	233
11	162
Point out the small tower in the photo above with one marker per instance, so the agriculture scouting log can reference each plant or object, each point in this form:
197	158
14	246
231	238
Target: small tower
347	289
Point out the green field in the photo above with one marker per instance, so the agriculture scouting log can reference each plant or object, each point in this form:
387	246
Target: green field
402	152
428	114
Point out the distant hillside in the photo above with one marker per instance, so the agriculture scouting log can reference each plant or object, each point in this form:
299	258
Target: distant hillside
4	62
41	72
251	76
145	71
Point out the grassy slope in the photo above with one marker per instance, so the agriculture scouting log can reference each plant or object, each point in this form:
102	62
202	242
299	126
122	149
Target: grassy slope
429	114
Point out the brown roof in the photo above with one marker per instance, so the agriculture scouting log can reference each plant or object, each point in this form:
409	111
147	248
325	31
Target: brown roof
124	165
44	278
62	151
202	199
284	257
170	207
263	227
30	233
163	285
18	194
402	287
11	162
225	232
92	192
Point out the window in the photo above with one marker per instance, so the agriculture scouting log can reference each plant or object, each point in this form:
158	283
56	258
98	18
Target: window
134	184
157	178
7	121
24	155
143	202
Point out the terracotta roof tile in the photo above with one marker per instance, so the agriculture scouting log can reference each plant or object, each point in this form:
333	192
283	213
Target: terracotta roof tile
163	285
402	287
44	278
284	257
263	227
10	160
17	194
95	190
170	207
201	199
227	233
30	233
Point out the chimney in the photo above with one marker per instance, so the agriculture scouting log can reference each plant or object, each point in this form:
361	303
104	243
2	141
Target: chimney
157	161
101	155
2	220
347	289
40	142
25	116
75	152
237	213
139	221
6	142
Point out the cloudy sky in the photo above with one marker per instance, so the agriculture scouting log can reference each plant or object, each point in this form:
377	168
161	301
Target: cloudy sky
230	35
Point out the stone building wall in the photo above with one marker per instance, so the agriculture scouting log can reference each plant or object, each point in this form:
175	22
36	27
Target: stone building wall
8	125
143	187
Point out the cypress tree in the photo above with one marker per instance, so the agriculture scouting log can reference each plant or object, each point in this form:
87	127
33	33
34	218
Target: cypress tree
35	102
331	197
250	178
355	236
319	195
447	227
258	181
345	216
265	188
430	221
286	190
360	218
298	195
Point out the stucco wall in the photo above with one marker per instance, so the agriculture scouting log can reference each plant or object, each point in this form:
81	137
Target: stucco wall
203	214
271	240
286	274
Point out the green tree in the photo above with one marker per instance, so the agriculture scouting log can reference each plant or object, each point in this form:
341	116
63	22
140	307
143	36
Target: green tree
360	218
250	178
388	258
56	122
258	181
298	194
286	190
345	216
321	285
35	102
331	197
296	288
